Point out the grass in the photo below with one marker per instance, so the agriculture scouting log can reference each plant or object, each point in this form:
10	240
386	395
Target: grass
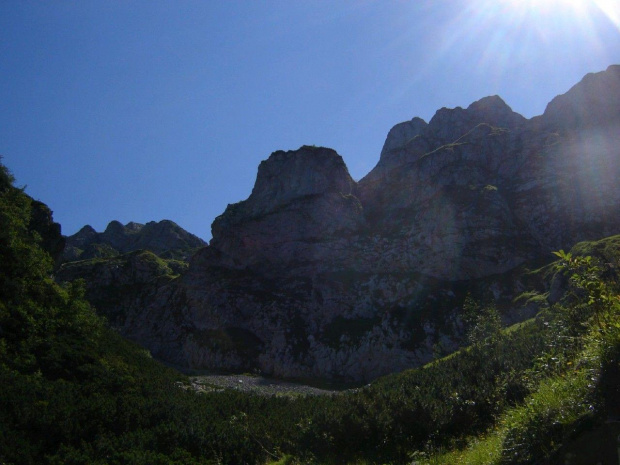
285	460
559	410
535	429
547	418
483	450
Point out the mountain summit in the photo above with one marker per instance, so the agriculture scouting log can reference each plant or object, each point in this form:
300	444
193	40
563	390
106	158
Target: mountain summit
162	238
317	275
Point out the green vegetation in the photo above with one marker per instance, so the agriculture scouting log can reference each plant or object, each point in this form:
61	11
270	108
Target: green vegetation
74	392
576	380
112	281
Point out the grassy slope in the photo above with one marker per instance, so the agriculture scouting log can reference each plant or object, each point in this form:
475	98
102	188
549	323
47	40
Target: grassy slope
566	417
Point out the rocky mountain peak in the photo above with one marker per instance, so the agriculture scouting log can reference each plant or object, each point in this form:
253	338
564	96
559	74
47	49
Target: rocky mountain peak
285	176
594	101
162	238
451	123
134	227
115	227
84	235
493	110
401	134
86	230
165	235
76	244
299	197
115	234
407	142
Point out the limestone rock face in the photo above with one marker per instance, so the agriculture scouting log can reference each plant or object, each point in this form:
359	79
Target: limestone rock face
302	207
591	103
481	190
566	190
317	275
83	237
401	134
443	196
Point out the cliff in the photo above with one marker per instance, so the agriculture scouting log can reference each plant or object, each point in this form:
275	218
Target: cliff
317	275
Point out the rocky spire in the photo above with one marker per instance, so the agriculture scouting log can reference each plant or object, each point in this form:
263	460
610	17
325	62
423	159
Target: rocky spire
300	197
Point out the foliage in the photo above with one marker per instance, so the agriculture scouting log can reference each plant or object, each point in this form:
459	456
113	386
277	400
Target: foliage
483	322
73	391
575	381
585	277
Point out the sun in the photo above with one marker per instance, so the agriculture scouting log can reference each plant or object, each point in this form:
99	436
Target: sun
499	37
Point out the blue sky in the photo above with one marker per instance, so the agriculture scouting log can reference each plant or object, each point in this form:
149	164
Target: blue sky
151	110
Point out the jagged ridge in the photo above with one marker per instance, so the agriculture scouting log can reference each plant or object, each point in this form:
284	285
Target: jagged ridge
162	238
316	275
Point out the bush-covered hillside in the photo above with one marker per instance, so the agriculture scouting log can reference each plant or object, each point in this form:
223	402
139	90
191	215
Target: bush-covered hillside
74	392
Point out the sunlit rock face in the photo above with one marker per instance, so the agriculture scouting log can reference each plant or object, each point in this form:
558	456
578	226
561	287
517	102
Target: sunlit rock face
592	103
567	188
315	275
480	190
441	197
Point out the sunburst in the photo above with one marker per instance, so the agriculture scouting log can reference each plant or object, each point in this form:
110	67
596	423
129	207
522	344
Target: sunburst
577	10
496	35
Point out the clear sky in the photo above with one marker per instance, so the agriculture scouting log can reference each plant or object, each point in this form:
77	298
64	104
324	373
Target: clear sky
149	110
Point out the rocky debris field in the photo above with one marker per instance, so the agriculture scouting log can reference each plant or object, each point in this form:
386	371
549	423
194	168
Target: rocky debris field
255	384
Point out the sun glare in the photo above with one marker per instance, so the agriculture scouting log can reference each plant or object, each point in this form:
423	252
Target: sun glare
501	36
575	8
542	6
611	9
556	7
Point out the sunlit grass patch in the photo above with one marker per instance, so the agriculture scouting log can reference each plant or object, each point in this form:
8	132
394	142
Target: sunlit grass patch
548	418
484	450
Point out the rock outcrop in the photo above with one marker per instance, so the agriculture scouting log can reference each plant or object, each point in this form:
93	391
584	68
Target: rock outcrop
302	209
42	223
115	284
317	275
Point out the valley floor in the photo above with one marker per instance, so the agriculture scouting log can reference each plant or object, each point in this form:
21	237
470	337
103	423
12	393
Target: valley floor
254	384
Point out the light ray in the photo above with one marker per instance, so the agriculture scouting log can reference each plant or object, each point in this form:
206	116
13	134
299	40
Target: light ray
611	9
497	35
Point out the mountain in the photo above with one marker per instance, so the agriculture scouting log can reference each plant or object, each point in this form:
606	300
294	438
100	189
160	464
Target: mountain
316	275
164	238
126	262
